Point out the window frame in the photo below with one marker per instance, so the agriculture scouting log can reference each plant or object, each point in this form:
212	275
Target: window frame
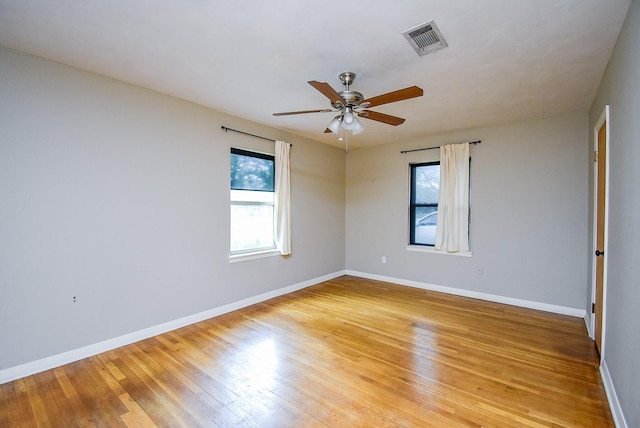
255	252
413	205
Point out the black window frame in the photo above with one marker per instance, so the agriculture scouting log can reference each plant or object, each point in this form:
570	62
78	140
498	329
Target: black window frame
413	205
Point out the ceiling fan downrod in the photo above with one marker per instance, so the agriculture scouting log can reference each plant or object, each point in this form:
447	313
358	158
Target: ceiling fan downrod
347	78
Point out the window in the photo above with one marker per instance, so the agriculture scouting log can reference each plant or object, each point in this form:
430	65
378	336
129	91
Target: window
425	190
252	201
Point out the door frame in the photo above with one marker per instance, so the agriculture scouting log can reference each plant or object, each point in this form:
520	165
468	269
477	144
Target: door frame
604	118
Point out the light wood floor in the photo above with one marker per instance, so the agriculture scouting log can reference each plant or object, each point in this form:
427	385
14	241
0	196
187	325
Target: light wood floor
348	352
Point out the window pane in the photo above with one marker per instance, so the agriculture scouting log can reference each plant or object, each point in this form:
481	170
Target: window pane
427	184
425	225
251	173
251	227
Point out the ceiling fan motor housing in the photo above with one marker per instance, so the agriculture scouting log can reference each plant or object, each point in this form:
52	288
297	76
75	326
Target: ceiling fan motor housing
351	98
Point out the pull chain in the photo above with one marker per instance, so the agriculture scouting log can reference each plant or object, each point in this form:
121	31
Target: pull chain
346	144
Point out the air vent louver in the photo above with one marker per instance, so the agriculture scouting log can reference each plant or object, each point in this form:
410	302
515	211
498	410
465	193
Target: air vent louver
425	38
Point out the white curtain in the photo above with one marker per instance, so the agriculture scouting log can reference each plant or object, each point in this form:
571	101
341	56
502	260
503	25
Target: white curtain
452	228
282	217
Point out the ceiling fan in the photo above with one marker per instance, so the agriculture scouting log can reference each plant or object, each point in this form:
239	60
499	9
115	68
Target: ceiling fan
350	103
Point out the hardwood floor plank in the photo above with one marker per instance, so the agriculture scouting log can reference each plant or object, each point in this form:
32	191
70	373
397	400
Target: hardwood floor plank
347	352
38	405
104	408
136	416
7	404
24	414
58	408
173	388
81	414
18	411
145	390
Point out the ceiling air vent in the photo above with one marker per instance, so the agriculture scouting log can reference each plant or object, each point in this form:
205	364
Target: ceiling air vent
425	38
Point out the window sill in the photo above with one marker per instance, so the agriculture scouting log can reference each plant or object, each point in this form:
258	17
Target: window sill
236	258
422	249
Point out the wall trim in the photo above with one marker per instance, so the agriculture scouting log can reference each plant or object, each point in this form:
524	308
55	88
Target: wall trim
564	310
604	119
588	321
37	366
612	397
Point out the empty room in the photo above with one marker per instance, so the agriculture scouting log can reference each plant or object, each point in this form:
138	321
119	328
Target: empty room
319	214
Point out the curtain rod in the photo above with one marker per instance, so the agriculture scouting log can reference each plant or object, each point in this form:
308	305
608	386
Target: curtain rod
225	129
436	147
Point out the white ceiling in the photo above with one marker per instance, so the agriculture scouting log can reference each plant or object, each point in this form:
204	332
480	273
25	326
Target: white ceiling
507	60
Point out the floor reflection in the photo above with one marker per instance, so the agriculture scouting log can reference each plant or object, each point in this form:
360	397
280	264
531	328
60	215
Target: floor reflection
424	347
254	368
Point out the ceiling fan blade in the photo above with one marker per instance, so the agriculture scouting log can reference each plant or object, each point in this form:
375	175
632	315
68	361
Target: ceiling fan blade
392	97
287	113
381	117
327	91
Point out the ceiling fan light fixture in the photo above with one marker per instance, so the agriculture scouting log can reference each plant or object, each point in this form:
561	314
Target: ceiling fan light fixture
358	128
334	126
349	120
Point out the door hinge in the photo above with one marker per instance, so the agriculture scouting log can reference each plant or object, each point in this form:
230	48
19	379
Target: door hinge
593	308
595	156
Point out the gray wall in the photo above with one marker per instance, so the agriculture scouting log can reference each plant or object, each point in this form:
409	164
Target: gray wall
119	196
529	220
620	88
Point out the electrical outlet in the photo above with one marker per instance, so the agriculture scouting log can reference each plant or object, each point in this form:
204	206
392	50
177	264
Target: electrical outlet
384	259
480	270
75	299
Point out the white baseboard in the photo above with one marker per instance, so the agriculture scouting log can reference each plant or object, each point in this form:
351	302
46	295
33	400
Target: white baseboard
564	310
27	369
614	404
588	321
